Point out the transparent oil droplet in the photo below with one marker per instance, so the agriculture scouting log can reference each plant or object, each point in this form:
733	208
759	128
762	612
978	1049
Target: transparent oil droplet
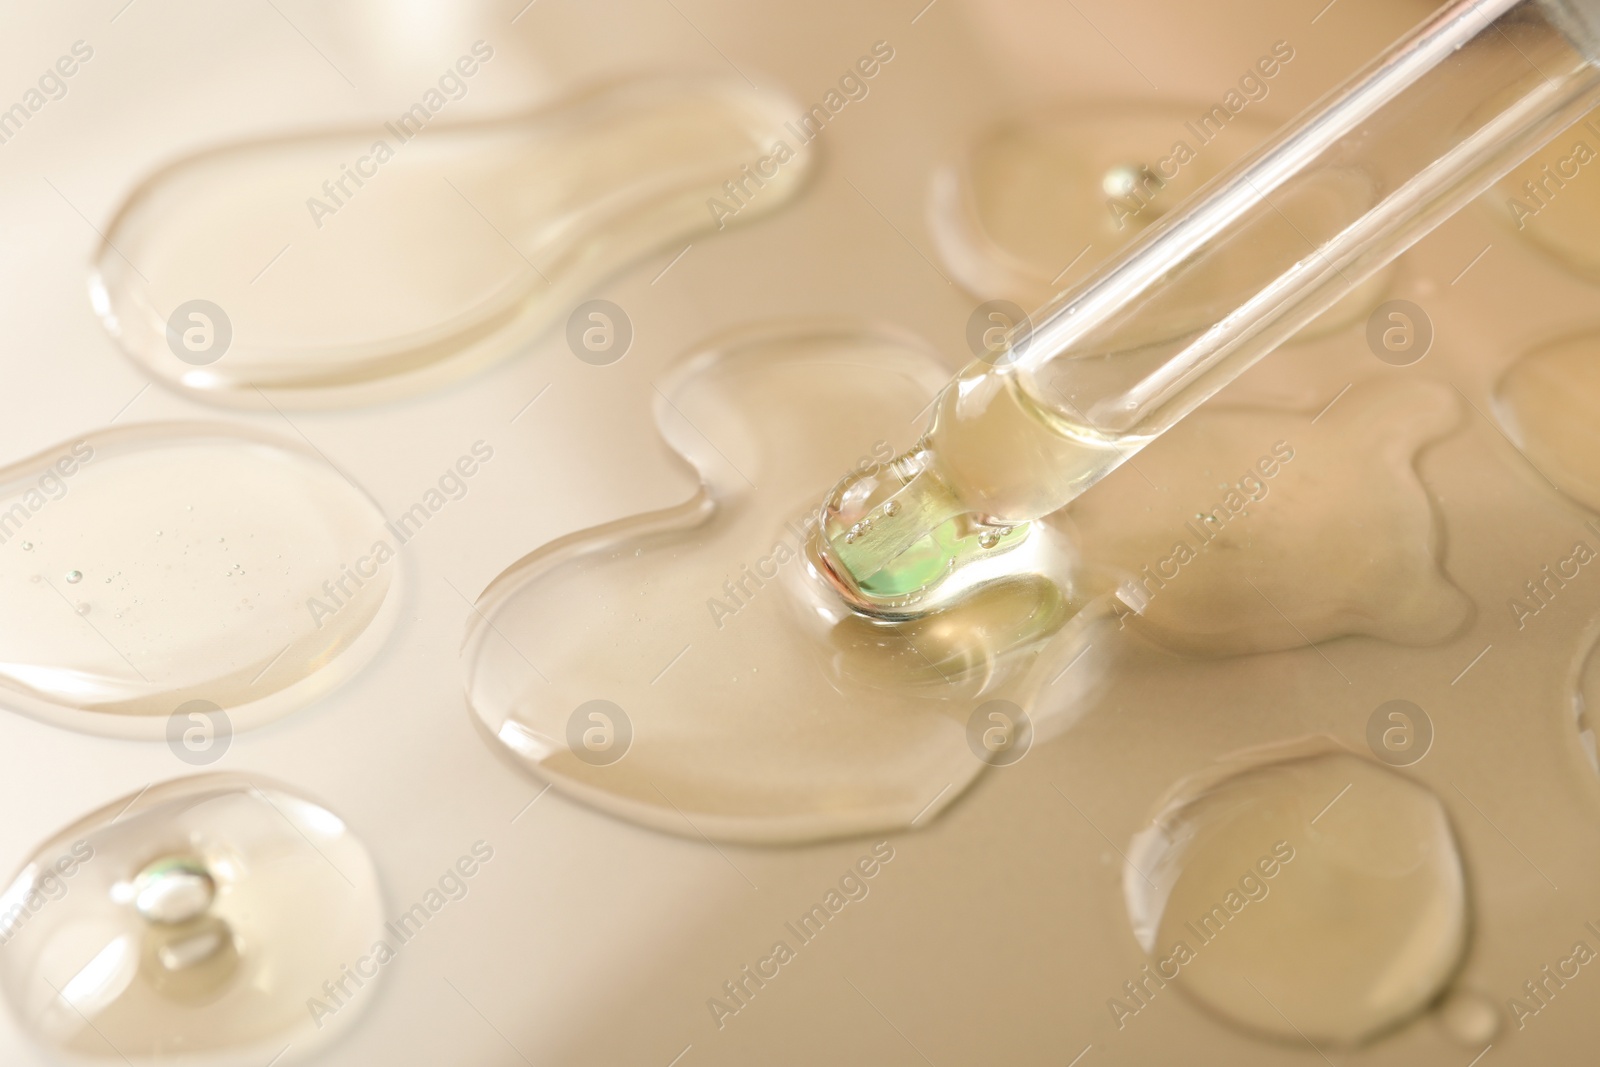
255	897
1011	213
127	672
1319	895
460	246
851	723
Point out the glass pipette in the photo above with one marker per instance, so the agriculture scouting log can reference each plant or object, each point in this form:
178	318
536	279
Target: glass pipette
1206	292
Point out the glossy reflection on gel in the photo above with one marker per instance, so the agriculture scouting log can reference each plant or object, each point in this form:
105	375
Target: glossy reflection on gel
195	922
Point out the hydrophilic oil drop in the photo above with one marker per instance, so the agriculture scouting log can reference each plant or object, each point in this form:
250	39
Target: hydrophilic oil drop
1310	895
610	672
1033	205
199	916
176	625
455	250
1549	404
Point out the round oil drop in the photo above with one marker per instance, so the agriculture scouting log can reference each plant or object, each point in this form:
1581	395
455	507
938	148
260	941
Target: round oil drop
167	627
1316	896
193	920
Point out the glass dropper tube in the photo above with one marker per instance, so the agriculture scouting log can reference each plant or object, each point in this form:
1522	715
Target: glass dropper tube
1206	292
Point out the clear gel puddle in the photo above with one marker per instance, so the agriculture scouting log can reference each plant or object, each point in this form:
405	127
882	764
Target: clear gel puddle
1549	404
194	923
1033	205
145	567
1253	530
347	266
685	669
1312	897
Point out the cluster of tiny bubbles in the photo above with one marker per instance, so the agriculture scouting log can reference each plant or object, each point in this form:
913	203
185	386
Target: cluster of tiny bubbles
990	538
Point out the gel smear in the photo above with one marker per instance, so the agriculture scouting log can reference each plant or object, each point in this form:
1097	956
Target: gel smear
194	922
1313	897
148	566
344	267
690	670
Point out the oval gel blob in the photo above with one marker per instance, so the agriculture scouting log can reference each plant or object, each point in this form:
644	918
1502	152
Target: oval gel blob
1315	898
191	923
146	567
338	268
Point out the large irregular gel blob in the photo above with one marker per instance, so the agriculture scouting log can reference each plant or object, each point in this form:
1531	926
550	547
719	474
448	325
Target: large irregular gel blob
145	567
1317	897
687	670
351	265
200	921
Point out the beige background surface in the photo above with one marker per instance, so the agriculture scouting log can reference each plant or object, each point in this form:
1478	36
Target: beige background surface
997	934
